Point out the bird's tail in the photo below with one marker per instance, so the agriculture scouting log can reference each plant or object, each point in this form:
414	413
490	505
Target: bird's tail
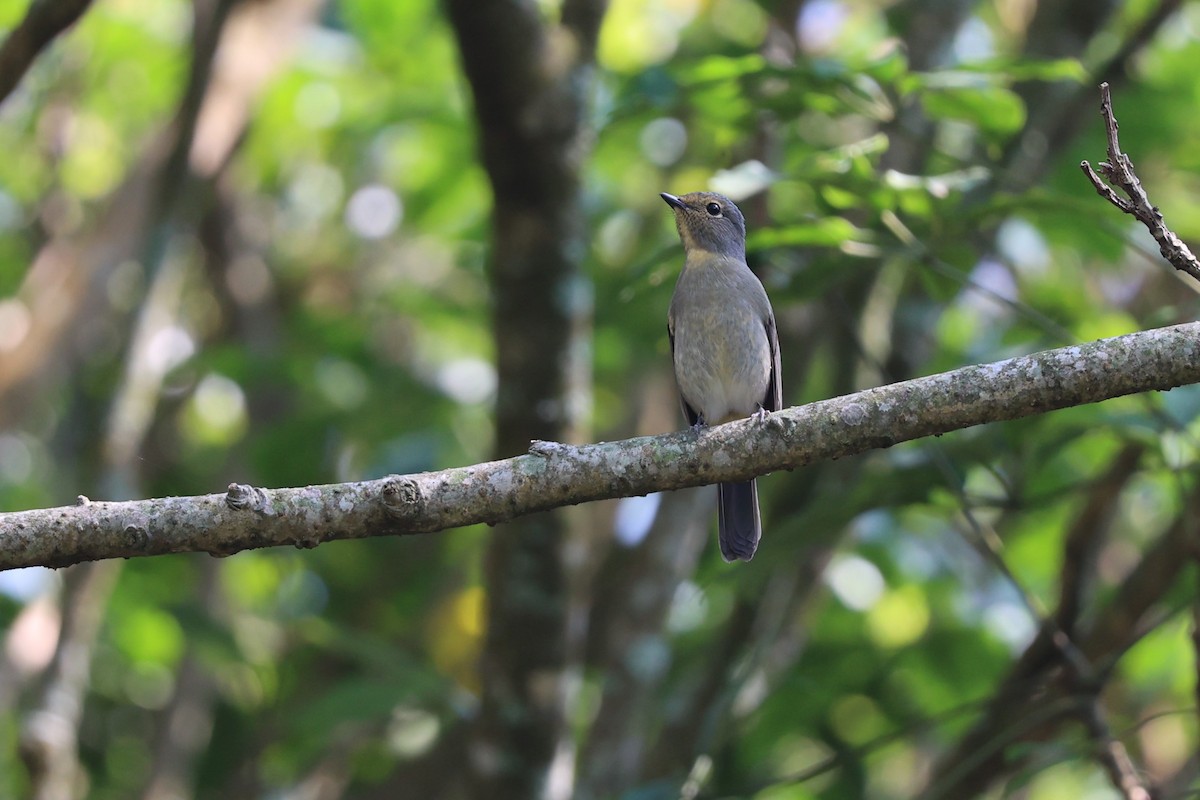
739	528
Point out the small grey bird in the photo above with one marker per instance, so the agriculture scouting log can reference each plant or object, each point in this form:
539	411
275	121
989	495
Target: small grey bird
723	344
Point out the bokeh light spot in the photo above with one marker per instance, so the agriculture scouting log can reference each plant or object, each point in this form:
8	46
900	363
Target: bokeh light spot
318	105
373	212
467	380
856	582
663	141
341	383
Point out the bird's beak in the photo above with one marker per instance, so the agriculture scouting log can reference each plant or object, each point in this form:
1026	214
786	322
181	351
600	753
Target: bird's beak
672	200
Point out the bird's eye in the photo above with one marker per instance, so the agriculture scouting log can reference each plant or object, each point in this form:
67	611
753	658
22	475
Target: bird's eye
713	209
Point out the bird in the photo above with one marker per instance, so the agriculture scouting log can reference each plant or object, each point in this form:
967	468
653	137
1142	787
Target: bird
724	345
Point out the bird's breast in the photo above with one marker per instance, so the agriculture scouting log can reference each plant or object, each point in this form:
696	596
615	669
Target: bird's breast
722	354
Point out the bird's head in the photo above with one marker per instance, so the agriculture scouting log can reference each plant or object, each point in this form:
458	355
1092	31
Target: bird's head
709	222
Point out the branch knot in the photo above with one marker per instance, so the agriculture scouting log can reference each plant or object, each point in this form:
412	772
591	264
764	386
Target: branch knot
402	498
244	497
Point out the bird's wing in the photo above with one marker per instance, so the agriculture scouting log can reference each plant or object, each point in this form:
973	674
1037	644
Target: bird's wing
773	401
688	412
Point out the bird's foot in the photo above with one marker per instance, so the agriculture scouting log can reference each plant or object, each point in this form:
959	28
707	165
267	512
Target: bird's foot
761	415
699	425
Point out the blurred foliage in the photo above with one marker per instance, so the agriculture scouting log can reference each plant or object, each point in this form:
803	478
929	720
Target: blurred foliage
350	338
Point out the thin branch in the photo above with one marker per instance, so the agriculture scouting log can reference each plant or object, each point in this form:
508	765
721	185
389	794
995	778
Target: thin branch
684	737
554	475
1082	541
186	724
1037	678
1139	39
1088	533
63	287
44	21
50	739
1196	640
632	600
923	725
1118	171
49	736
1112	754
136	400
949	784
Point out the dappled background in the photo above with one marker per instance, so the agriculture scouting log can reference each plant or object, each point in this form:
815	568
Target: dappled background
283	242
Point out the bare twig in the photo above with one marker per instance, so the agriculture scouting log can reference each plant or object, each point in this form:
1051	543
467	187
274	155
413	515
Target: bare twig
1112	754
1118	171
44	20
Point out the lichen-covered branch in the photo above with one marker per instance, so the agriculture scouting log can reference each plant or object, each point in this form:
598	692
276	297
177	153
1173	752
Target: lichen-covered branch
554	475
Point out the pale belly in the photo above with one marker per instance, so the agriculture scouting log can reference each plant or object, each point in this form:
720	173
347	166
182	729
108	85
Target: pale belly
722	361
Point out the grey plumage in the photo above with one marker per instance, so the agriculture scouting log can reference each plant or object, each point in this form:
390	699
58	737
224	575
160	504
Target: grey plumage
724	345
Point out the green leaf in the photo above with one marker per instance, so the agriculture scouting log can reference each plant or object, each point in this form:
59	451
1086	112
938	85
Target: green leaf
994	109
722	68
1061	69
823	231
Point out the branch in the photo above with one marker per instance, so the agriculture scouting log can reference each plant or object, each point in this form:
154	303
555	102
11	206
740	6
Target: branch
554	475
1118	170
1111	753
49	736
44	20
1036	681
186	724
633	596
63	287
1196	641
531	83
1088	533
